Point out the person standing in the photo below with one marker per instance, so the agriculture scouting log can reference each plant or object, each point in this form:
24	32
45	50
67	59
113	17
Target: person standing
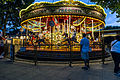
74	36
84	51
115	51
1	47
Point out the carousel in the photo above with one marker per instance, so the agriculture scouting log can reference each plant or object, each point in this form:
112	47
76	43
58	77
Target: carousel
56	28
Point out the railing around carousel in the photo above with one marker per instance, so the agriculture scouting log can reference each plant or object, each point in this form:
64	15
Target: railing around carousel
53	52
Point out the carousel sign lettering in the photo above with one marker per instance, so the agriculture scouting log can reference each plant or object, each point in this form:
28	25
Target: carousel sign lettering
70	9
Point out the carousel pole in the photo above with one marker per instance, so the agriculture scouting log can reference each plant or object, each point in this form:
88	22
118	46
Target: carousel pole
64	26
40	24
46	29
40	31
27	31
80	28
99	33
51	33
92	30
46	24
70	63
51	37
85	27
69	23
67	27
103	48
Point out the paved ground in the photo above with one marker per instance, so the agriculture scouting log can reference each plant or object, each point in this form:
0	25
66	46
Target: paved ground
45	71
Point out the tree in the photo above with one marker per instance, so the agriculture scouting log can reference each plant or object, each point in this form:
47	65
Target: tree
9	12
113	5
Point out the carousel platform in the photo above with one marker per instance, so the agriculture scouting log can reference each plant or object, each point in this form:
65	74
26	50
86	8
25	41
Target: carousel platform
58	53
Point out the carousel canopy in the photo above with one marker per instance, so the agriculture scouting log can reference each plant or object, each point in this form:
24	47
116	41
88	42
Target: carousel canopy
62	8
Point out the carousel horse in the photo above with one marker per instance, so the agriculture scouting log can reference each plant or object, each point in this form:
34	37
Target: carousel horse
69	40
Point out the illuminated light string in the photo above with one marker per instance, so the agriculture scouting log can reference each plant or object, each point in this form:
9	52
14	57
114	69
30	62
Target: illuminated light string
96	25
35	24
79	22
97	29
59	15
28	20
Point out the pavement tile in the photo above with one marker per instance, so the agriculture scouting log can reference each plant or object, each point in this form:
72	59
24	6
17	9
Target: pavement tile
26	71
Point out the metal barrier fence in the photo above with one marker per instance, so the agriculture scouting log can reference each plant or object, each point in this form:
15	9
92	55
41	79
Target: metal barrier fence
46	52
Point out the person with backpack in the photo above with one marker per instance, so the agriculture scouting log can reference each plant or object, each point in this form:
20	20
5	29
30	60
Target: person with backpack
115	52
